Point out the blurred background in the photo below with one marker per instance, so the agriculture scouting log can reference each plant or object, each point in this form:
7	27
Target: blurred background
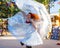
8	9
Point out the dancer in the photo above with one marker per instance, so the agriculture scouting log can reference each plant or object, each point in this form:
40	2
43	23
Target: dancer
26	28
35	21
25	24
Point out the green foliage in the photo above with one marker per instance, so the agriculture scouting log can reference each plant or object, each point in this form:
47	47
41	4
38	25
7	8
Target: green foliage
7	10
45	2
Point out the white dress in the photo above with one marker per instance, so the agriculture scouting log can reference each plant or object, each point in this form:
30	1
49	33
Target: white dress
19	28
35	38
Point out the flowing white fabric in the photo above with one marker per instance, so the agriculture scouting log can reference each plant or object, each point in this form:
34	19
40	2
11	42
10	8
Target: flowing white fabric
16	24
39	9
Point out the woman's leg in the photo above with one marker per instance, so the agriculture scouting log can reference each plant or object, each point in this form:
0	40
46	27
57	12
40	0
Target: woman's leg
28	46
21	43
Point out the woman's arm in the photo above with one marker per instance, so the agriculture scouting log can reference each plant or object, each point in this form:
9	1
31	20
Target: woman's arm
33	24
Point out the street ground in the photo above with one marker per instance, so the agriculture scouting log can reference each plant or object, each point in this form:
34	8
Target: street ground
12	42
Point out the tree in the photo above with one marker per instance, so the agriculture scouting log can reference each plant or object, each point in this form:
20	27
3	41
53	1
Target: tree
7	8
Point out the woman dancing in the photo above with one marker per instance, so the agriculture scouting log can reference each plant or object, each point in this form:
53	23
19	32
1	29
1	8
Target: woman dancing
33	22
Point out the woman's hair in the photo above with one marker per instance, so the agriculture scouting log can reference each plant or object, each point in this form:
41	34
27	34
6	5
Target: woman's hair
34	16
